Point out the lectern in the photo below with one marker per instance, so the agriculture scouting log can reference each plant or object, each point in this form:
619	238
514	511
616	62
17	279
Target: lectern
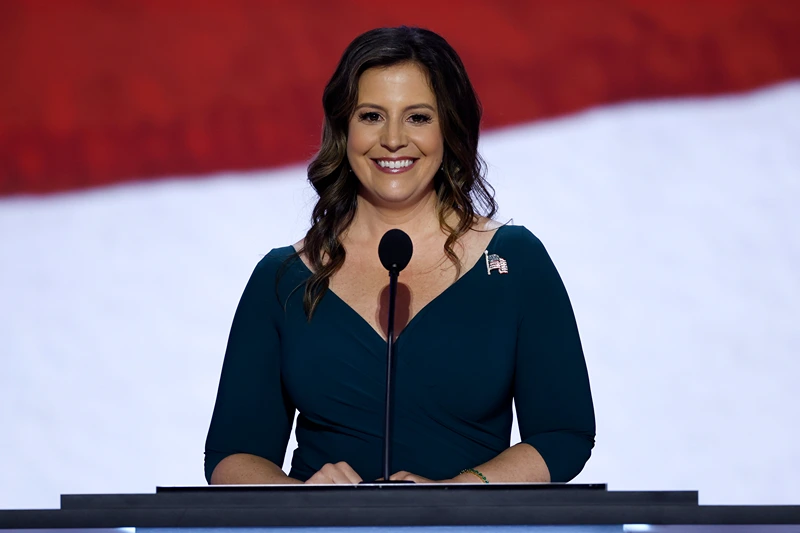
563	508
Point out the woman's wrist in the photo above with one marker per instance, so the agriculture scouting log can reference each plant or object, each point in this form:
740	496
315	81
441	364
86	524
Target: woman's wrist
471	475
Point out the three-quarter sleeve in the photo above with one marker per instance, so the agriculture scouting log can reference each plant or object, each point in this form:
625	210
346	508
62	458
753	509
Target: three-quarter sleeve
551	385
252	413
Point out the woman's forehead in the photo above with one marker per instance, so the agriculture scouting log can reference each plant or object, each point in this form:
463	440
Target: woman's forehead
396	84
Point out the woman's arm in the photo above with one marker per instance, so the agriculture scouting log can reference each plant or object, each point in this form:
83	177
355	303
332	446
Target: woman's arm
518	464
552	395
551	385
244	468
253	415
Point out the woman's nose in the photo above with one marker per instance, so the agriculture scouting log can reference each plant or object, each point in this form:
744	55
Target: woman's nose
393	136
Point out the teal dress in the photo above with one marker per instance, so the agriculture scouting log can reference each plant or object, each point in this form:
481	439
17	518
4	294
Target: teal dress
487	339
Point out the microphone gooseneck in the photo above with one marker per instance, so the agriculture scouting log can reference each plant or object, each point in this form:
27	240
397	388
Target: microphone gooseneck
394	250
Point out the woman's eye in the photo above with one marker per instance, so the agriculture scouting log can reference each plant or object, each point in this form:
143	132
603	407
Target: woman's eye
369	116
420	118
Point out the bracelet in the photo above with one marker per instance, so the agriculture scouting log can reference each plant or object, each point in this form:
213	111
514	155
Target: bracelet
476	473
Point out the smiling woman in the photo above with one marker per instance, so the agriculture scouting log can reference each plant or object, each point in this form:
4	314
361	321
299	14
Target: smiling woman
394	142
399	150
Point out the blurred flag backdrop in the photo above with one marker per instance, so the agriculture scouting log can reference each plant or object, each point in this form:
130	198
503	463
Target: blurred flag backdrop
152	152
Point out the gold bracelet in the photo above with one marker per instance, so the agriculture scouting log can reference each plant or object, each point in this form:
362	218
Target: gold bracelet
476	473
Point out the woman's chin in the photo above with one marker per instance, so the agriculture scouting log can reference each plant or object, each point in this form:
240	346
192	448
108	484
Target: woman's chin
398	200
399	196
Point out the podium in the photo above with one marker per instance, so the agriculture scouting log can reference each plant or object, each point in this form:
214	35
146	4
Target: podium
564	508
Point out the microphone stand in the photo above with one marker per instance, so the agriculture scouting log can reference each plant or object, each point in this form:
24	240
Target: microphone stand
387	423
395	251
389	362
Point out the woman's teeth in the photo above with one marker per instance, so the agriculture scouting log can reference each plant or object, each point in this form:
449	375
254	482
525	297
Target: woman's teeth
401	163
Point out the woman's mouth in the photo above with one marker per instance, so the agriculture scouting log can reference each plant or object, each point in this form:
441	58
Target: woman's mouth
394	166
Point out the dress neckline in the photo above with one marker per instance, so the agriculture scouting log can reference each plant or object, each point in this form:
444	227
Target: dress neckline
450	288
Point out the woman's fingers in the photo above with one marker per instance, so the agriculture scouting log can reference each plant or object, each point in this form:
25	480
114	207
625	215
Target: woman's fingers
340	473
408	476
348	471
400	475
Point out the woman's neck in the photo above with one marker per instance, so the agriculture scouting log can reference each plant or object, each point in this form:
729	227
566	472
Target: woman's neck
419	220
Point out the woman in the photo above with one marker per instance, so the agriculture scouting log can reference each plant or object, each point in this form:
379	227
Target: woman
482	318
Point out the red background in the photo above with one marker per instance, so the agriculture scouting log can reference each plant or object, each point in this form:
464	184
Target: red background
101	92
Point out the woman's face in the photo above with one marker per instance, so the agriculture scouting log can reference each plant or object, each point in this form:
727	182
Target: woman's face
394	141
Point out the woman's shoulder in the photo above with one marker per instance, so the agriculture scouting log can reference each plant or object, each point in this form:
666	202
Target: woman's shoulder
279	269
519	242
278	255
277	259
506	235
513	235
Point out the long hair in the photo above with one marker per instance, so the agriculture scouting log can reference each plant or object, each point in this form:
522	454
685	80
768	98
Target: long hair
460	184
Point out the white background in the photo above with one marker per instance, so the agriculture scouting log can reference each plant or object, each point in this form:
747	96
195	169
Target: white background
674	224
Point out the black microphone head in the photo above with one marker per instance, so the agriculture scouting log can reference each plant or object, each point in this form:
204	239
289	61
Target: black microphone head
395	250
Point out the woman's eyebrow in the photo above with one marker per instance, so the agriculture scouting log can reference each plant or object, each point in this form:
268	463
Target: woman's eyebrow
407	108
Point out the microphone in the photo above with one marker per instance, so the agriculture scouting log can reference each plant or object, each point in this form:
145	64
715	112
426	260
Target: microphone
394	250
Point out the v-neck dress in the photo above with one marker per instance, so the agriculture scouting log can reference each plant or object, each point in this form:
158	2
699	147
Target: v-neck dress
489	338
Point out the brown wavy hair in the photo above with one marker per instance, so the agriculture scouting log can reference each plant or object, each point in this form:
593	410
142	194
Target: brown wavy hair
460	184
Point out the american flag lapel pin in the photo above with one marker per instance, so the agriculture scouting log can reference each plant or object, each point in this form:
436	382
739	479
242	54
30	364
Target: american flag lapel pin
495	262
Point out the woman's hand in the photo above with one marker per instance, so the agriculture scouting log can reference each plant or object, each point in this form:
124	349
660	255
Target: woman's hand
340	473
408	476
